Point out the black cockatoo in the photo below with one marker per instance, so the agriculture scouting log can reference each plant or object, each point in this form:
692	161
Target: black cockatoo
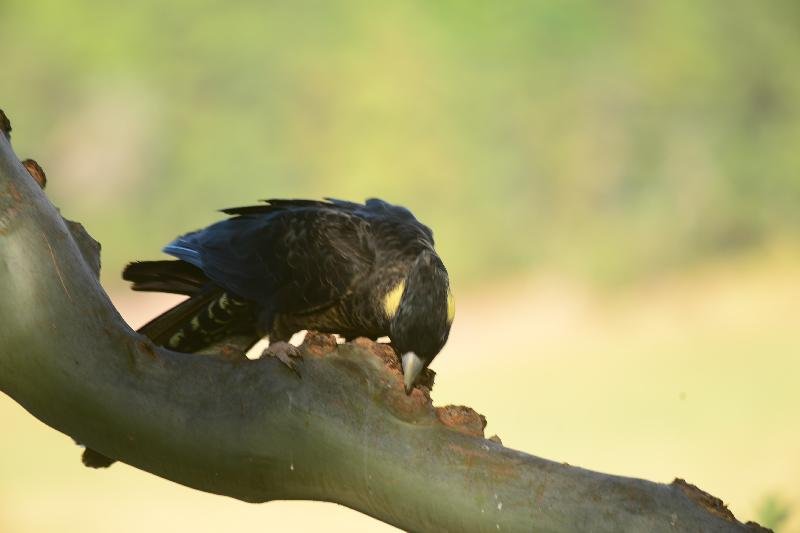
359	270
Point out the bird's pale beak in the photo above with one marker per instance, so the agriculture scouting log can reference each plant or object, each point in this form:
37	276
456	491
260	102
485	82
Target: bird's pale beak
412	366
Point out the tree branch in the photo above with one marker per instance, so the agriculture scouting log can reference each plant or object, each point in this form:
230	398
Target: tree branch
343	432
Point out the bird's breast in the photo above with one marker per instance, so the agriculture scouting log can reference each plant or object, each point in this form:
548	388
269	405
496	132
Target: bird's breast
353	316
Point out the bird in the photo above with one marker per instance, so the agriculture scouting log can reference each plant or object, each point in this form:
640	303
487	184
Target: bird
285	265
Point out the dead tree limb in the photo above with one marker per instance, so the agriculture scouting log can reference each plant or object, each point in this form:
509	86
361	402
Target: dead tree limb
343	431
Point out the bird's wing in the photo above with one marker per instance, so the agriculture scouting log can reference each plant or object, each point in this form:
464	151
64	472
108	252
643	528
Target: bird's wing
375	210
290	256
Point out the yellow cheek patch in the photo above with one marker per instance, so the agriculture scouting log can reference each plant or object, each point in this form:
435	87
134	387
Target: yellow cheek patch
451	307
392	299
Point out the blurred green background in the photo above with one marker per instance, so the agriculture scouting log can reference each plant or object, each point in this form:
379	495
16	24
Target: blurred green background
614	186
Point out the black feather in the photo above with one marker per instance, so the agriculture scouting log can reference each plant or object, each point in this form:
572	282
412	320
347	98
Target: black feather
294	255
176	277
165	325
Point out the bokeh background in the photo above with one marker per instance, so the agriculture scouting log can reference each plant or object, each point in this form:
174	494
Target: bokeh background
614	186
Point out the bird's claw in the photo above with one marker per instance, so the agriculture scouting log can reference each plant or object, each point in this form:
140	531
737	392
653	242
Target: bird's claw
285	353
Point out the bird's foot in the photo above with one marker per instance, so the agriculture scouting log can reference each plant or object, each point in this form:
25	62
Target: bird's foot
286	353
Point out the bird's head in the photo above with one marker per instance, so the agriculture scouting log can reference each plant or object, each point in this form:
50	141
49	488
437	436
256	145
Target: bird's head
421	310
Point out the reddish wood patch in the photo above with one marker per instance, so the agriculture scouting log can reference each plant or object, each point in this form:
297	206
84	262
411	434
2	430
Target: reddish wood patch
710	503
318	344
462	418
36	172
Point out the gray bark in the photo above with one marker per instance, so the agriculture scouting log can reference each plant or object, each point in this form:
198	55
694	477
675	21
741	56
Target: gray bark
343	431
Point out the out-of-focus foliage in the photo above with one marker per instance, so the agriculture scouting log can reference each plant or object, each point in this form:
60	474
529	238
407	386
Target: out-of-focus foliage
610	138
773	512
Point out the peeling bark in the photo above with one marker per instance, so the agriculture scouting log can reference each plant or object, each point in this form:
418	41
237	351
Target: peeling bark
342	431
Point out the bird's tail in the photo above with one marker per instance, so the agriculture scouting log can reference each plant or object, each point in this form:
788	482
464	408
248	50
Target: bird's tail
207	316
177	277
